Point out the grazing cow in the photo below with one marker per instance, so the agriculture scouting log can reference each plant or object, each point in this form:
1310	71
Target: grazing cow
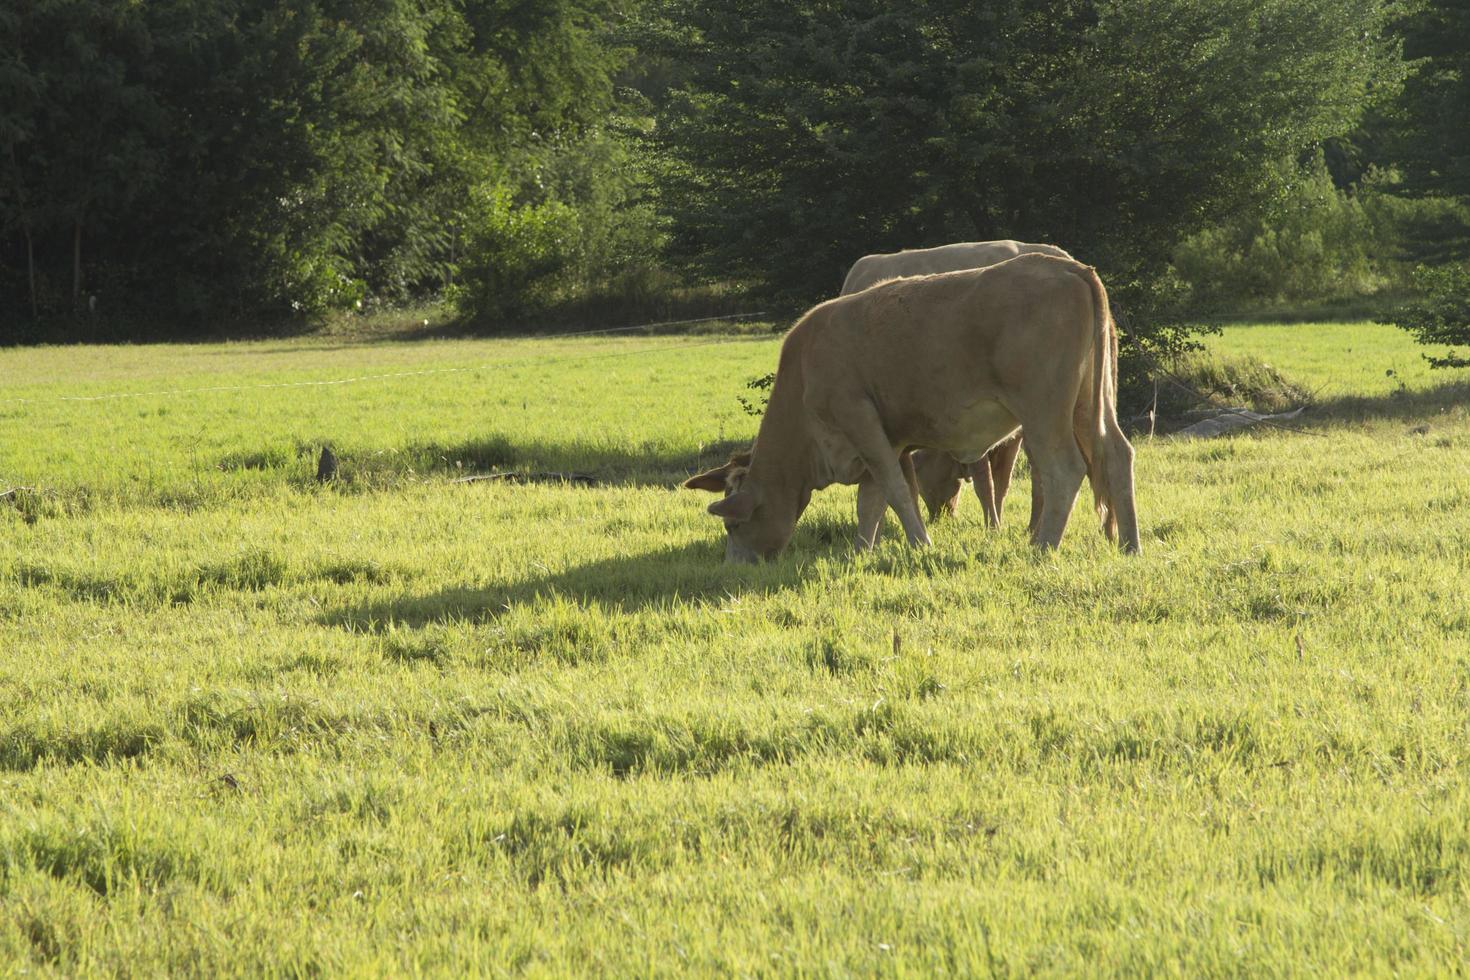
873	269
953	362
939	476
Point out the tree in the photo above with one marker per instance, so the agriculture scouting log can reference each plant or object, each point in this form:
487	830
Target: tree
301	128
562	216
20	97
811	132
1429	137
1441	314
232	160
1430	130
79	144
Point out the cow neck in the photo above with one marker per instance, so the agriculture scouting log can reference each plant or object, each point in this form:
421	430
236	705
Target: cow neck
781	459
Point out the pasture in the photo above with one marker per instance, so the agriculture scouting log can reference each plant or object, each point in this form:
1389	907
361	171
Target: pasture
250	723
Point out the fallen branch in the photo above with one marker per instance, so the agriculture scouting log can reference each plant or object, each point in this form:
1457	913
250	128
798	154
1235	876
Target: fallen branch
1233	420
585	479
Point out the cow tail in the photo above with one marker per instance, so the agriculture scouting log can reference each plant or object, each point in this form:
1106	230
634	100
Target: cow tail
1104	383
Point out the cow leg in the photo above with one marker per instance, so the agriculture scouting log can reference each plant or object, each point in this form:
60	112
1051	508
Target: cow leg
1035	491
1058	467
1002	463
871	442
870	507
1118	466
950	506
984	489
906	462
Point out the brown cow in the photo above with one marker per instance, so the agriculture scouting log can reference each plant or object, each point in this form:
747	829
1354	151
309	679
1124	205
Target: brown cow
873	269
954	362
938	475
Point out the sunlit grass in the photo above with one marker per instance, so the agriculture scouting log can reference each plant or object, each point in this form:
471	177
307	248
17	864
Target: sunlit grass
1337	359
252	723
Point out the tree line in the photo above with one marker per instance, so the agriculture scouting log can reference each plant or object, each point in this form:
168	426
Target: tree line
187	165
188	160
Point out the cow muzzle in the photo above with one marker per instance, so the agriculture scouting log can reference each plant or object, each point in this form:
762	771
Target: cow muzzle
738	554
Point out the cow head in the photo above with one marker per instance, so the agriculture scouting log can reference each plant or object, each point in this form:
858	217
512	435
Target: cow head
757	527
938	476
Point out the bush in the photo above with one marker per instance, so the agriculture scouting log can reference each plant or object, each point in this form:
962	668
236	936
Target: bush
1202	380
1317	242
1441	313
575	234
516	256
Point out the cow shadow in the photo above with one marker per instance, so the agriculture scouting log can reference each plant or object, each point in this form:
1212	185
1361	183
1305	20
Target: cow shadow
689	573
584	462
490	458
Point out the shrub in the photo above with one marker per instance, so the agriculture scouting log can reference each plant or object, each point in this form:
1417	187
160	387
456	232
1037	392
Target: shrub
575	234
515	255
1316	242
1441	313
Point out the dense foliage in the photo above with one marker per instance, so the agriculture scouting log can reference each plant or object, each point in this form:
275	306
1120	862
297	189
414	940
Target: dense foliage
1430	136
1429	131
1441	313
222	164
1318	241
813	132
244	157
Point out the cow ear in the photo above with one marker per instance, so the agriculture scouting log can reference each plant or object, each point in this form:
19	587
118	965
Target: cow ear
715	480
736	507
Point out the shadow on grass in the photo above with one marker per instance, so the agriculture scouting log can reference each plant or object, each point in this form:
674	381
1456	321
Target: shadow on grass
735	325
666	312
1404	405
361	468
1340	309
691	573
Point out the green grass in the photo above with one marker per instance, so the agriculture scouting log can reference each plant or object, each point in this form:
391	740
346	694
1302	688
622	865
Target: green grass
1338	360
252	724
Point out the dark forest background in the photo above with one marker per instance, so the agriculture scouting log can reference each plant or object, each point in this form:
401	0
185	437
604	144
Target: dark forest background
184	168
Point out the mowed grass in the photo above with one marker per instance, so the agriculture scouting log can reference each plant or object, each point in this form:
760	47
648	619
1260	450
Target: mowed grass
395	724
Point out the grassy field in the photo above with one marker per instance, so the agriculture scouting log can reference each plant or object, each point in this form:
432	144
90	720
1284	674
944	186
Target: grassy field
398	724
